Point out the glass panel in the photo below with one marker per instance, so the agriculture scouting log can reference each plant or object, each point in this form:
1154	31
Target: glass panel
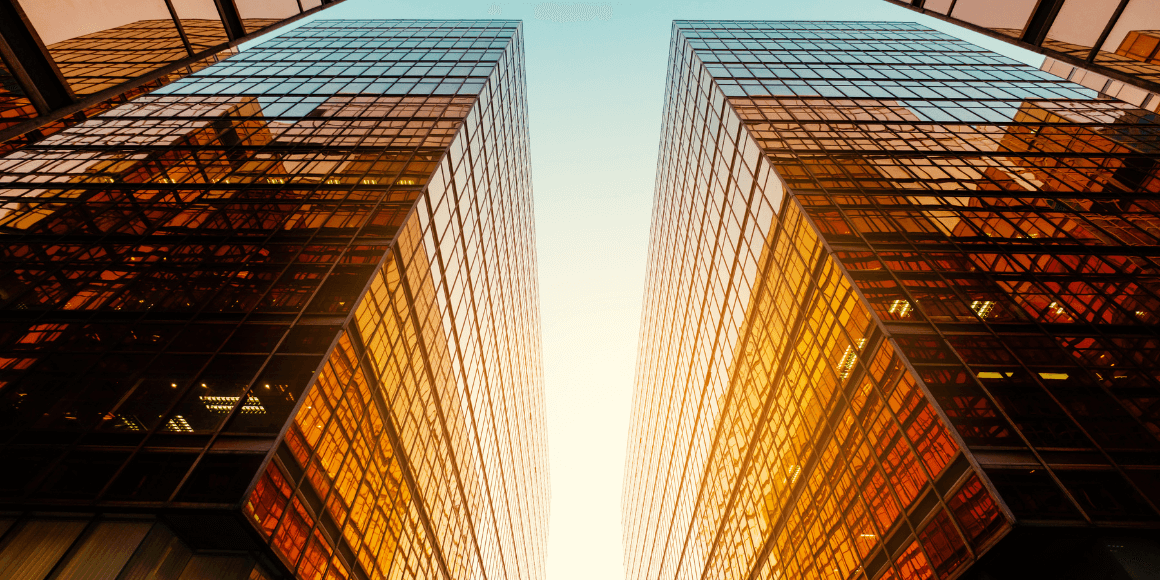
1078	25
940	6
1008	17
274	395
81	17
1131	46
214	395
156	391
151	476
223	193
81	474
220	478
201	22
14	105
259	14
103	44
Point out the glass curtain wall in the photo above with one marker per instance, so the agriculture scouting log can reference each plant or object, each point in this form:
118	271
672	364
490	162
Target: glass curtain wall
901	308
289	301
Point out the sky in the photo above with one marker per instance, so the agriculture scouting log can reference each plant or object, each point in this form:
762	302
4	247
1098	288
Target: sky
596	81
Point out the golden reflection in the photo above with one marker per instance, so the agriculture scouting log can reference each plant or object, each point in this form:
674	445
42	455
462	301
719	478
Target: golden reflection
813	379
343	302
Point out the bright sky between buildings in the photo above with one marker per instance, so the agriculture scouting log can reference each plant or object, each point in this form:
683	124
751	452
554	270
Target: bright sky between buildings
596	80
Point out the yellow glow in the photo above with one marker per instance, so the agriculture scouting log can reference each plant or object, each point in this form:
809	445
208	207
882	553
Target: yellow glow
994	375
982	307
225	404
179	424
900	308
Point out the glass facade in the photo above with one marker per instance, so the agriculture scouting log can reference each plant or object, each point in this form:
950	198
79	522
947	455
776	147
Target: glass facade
105	59
900	317
14	104
288	303
1101	44
100	57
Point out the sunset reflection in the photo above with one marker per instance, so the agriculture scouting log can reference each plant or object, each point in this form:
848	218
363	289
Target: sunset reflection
900	300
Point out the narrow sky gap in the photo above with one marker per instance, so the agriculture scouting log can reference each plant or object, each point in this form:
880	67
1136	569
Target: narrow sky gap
595	88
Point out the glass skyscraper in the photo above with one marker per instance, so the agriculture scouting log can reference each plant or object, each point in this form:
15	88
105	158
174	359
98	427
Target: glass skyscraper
901	315
279	319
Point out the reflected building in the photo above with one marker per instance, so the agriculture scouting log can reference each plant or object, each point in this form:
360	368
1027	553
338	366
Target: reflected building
279	319
63	61
1106	45
901	316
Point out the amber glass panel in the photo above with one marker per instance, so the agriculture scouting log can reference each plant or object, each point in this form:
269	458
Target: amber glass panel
1074	37
377	440
1141	45
335	268
321	264
104	59
1078	25
1129	48
14	105
774	481
976	214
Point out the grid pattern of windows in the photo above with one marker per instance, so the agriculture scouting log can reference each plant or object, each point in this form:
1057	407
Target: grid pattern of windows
877	331
93	63
20	108
1141	45
105	59
14	105
321	308
425	61
916	65
1110	38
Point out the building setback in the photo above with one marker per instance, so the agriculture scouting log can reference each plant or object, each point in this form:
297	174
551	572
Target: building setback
1107	45
279	319
900	317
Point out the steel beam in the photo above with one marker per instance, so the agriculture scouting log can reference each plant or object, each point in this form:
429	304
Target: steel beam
231	19
30	62
1041	21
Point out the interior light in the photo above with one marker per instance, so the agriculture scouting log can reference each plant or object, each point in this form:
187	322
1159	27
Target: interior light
983	307
900	307
994	375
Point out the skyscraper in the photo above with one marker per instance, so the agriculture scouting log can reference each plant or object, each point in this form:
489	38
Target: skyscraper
1107	45
62	61
900	318
279	319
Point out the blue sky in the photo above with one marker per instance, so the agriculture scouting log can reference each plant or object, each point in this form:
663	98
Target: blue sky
596	74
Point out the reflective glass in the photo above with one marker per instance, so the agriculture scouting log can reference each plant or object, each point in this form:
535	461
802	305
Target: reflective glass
1106	45
302	282
898	289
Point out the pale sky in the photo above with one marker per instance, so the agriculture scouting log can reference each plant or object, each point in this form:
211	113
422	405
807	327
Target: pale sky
595	90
